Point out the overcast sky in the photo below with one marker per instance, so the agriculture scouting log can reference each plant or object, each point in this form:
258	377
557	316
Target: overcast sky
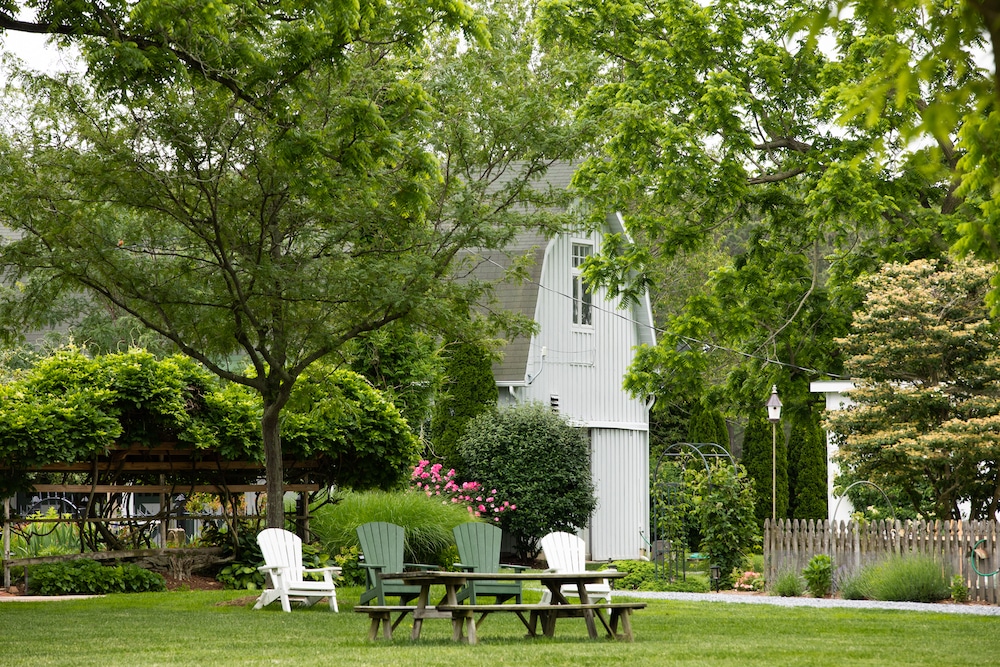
35	51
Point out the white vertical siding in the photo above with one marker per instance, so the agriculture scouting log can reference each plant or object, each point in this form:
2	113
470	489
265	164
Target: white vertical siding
620	469
585	368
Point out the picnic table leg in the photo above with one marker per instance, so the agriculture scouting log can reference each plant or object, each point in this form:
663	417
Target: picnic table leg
418	616
383	618
626	618
588	614
549	623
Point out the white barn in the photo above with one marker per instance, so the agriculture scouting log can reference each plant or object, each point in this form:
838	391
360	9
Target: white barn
576	364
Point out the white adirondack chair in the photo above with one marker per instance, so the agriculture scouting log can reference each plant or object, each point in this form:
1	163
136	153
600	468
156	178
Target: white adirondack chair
283	568
567	553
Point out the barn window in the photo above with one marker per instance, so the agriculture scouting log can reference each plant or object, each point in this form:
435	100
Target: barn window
582	299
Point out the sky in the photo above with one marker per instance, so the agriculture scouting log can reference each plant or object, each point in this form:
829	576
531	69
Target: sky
35	51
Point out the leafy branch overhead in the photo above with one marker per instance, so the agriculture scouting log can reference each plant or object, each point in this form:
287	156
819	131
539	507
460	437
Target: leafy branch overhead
265	182
71	408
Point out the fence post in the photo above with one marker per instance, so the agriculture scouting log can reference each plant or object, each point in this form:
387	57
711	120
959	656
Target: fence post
6	544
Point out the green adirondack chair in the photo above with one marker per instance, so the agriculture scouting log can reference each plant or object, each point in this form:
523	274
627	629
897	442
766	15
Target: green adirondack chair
382	546
479	551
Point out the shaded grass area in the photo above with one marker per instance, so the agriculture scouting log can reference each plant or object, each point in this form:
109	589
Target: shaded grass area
191	628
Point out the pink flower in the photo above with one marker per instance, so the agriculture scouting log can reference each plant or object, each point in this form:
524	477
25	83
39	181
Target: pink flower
481	508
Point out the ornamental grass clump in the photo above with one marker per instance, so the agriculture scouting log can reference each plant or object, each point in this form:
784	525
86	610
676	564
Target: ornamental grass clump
427	522
788	584
911	578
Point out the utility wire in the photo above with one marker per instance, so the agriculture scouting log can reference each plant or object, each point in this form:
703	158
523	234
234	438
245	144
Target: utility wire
706	346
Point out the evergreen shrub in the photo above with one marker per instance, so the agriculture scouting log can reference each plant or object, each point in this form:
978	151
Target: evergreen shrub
88	577
537	461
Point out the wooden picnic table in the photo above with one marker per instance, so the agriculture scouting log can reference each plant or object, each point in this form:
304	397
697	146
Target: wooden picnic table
462	615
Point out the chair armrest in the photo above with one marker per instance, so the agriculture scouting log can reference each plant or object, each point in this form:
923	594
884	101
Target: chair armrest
516	568
464	567
421	566
267	569
370	566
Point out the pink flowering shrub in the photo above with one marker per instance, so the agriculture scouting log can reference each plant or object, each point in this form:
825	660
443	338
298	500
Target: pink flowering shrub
430	481
749	581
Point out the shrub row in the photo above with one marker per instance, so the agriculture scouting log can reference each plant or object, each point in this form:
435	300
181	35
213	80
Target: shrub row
88	577
911	578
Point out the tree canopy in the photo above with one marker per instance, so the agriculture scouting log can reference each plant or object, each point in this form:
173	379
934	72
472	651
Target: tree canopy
926	357
266	182
729	125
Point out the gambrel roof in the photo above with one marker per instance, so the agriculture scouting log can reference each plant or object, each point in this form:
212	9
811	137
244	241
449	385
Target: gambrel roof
521	297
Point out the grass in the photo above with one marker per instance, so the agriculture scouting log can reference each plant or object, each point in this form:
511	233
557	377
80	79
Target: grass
189	628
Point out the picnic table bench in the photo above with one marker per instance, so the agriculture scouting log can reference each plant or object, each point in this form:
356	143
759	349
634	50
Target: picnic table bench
462	616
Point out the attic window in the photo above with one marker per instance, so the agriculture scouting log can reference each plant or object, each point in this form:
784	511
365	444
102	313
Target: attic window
582	299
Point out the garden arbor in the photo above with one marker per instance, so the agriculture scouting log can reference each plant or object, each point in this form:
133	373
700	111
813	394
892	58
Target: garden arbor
127	423
670	504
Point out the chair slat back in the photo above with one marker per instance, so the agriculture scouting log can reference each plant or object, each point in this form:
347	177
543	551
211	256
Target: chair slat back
282	548
478	545
565	552
382	544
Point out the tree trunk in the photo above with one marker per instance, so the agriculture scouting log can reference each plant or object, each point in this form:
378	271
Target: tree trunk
275	473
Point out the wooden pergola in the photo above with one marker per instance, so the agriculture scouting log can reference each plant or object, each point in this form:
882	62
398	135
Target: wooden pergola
167	470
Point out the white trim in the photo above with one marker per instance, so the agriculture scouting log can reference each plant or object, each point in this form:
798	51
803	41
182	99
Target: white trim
623	426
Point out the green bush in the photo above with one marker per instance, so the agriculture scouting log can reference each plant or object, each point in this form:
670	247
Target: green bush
539	462
856	585
723	501
912	578
88	577
959	591
642	576
427	523
819	575
351	572
788	584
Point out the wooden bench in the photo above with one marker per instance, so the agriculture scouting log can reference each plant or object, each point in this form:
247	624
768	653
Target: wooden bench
382	614
463	616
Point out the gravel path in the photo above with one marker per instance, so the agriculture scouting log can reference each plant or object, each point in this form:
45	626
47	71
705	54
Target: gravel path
733	598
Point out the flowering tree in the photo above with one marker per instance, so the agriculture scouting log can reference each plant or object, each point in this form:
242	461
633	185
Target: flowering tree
479	503
926	425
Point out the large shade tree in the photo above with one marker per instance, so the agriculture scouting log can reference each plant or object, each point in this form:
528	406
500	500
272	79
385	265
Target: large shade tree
926	427
728	123
260	182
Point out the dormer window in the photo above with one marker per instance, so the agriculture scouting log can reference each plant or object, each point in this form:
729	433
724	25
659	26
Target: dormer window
582	299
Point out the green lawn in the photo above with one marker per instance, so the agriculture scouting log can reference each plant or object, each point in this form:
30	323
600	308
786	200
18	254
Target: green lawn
190	628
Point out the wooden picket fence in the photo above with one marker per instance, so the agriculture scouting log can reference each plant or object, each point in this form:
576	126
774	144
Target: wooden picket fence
791	543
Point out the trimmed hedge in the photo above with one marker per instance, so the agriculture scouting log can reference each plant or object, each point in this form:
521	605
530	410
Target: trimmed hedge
88	577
